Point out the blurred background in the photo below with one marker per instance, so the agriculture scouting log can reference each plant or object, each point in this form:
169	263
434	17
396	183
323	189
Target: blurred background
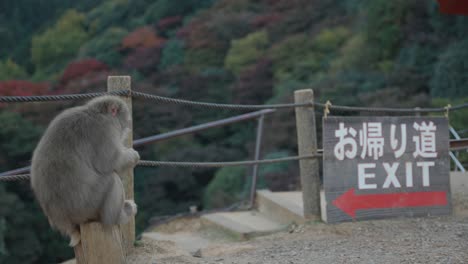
400	53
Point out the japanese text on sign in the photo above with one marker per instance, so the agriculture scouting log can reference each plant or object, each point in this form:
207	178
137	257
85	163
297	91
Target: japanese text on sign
379	166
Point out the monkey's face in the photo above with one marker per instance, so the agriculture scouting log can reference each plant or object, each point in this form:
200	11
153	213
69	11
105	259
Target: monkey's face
114	109
121	113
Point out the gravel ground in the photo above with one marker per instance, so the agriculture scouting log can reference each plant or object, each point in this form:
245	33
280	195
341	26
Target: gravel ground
437	240
418	240
401	240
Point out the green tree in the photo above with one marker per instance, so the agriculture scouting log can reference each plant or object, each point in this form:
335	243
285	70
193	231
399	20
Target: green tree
457	121
61	42
163	8
329	40
245	51
226	187
172	54
198	60
295	58
449	78
24	230
352	54
10	70
104	47
383	26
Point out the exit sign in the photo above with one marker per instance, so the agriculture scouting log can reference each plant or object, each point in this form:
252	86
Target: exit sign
378	167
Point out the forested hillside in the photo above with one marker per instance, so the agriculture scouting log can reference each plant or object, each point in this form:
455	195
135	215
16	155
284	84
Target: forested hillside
400	53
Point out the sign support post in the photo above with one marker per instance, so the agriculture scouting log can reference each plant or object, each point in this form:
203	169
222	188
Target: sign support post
307	145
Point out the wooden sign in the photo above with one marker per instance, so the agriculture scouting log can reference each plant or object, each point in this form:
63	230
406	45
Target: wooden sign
378	167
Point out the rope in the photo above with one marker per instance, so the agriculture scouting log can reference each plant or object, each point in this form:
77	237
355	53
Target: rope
18	177
215	105
395	110
328	106
62	97
45	98
222	164
150	163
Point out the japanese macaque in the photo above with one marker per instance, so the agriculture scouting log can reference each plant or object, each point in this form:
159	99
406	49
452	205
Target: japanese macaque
76	165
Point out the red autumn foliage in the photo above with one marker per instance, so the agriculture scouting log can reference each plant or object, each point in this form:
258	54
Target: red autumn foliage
183	32
22	88
453	7
198	35
81	68
91	82
143	37
143	59
266	20
168	22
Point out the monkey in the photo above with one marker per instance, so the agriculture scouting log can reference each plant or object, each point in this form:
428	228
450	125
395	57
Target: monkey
76	165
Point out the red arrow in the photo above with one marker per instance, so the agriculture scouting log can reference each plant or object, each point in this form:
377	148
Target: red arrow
350	202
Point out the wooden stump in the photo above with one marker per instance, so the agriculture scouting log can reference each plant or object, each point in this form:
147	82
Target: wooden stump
99	245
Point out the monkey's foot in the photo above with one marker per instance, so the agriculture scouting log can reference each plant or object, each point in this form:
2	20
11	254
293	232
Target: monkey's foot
75	238
130	207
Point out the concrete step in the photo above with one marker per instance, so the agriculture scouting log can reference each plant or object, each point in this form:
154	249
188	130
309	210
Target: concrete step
284	207
242	225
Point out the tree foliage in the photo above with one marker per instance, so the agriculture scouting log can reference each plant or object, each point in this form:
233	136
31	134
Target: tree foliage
22	88
80	68
26	233
450	76
383	26
144	37
294	58
61	42
9	70
105	47
226	187
246	51
172	54
164	8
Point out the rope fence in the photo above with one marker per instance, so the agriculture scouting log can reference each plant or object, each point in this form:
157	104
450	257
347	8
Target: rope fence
150	163
327	106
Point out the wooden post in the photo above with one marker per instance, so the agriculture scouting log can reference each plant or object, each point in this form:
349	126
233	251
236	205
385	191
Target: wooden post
99	245
115	83
307	145
418	113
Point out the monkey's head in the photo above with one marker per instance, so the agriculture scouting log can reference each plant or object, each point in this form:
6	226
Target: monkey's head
113	108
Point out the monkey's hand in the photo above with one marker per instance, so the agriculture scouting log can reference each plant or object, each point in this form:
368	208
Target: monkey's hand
127	160
135	156
130	207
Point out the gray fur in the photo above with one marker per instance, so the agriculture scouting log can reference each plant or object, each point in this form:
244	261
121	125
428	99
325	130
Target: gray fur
75	167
